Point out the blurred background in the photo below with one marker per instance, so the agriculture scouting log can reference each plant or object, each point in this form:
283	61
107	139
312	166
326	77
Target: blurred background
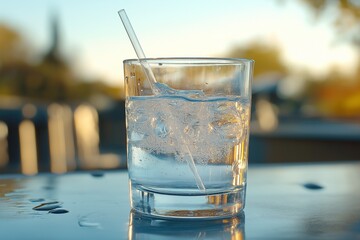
61	75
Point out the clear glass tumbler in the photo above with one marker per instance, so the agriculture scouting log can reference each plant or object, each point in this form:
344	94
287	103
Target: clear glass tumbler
187	136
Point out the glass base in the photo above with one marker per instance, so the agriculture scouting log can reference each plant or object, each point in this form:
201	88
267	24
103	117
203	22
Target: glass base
175	206
150	228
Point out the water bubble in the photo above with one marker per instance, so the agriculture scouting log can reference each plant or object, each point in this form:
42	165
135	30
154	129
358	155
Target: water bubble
58	211
47	206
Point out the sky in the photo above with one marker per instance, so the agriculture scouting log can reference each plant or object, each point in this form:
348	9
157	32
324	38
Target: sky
95	42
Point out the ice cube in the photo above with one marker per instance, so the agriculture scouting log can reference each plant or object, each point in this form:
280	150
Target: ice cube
160	127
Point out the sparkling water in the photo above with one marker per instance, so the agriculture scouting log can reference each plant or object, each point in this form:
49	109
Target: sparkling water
213	130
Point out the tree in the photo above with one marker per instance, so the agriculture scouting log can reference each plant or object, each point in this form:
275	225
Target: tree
338	96
267	58
347	16
52	79
12	46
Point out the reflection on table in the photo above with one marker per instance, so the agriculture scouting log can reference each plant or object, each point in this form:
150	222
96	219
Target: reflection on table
313	201
141	227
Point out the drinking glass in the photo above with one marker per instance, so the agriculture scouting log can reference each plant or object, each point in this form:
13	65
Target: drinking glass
187	143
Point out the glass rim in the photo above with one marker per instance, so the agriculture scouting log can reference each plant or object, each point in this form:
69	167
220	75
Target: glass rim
192	60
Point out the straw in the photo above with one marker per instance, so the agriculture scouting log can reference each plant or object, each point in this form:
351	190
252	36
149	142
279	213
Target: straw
139	51
154	87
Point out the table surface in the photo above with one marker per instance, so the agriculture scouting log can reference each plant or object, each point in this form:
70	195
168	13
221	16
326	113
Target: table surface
313	201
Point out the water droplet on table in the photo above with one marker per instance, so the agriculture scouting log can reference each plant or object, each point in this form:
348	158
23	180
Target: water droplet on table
58	211
48	206
88	221
312	186
98	174
36	200
14	195
89	224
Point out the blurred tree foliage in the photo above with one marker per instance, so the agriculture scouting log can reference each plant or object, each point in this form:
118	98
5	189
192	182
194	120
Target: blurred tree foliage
12	46
338	98
347	16
267	58
338	95
335	95
51	79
